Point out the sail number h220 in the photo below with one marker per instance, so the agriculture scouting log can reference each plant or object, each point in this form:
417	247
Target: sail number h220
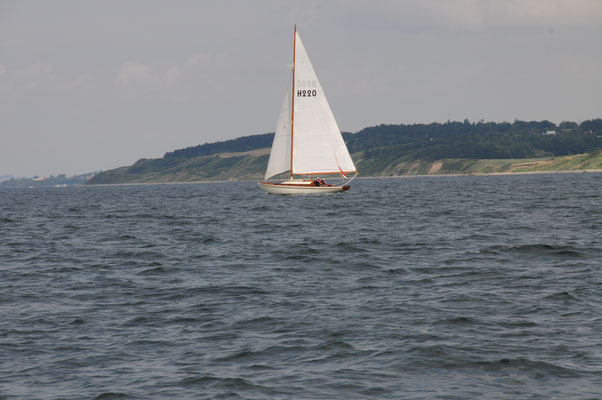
306	93
307	84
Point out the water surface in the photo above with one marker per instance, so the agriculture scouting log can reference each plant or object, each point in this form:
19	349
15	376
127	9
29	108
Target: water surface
422	288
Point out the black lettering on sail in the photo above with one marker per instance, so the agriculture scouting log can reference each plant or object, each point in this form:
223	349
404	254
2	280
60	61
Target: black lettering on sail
307	93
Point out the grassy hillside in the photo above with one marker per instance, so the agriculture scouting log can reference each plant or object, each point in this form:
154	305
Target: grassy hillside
216	167
578	162
389	150
251	166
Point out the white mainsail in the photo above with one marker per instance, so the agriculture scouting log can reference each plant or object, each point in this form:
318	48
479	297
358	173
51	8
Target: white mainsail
317	144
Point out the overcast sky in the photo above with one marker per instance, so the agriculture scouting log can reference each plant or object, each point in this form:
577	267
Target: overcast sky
93	85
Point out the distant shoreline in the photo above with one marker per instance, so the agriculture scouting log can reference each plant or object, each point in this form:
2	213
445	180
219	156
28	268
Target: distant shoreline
359	177
157	183
486	174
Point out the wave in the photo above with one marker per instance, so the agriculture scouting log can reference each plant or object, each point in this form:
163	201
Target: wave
526	366
540	249
564	296
115	396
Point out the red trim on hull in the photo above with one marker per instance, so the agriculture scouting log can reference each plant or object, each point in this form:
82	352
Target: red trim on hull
325	173
299	185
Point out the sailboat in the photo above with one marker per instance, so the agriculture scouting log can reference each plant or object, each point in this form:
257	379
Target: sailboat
308	143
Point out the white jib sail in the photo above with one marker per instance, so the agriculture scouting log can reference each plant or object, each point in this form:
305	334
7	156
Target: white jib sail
318	147
280	156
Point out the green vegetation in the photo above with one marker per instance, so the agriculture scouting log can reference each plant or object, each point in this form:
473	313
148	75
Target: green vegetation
203	168
578	162
385	145
241	144
386	150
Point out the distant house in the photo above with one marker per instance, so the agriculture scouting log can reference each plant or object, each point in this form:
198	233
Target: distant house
550	132
588	133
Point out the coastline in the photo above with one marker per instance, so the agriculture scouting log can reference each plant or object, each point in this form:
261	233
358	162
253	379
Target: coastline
250	167
594	171
580	171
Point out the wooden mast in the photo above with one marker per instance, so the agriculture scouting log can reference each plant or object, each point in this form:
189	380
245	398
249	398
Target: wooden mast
293	99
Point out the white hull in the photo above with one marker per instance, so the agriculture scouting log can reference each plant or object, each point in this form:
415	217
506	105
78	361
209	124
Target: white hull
283	188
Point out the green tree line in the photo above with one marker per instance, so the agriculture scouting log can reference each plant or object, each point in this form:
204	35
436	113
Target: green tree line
483	140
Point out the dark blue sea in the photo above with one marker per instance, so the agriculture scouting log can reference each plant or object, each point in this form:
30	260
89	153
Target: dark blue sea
473	287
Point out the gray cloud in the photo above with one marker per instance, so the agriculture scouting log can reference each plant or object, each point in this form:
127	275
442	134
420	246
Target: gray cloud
95	85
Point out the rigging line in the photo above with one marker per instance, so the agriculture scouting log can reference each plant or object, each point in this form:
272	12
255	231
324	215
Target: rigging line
343	176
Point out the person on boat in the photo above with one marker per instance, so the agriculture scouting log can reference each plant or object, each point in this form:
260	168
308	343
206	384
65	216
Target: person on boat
319	182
